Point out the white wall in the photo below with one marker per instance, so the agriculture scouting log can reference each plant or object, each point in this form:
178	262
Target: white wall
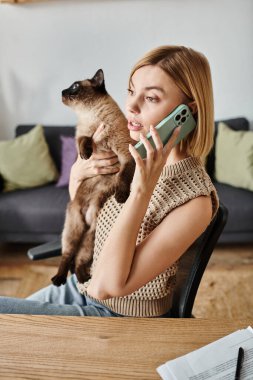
46	46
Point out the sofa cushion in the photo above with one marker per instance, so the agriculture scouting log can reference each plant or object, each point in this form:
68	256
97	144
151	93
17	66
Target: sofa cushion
68	157
237	124
52	135
1	183
234	157
26	162
239	203
38	210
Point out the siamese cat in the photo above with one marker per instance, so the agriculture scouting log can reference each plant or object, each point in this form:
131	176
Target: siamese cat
93	106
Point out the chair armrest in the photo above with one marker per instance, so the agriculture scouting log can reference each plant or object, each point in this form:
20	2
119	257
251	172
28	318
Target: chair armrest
45	251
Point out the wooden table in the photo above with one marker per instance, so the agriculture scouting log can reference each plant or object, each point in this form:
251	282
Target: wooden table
45	347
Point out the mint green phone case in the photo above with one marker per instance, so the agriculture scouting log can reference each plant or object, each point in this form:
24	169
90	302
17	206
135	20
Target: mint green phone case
181	115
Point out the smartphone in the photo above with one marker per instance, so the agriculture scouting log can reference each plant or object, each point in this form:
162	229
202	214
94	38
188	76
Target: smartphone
180	116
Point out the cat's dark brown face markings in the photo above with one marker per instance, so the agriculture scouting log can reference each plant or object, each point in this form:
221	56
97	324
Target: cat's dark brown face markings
86	91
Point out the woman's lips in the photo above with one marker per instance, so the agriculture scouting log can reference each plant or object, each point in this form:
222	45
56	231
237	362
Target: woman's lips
134	126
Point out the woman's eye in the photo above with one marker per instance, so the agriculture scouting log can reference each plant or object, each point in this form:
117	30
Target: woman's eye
151	99
130	92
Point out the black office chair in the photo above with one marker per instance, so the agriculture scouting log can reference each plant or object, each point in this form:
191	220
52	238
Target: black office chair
192	264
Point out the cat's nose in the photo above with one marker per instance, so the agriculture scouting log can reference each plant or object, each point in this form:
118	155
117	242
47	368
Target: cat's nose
65	97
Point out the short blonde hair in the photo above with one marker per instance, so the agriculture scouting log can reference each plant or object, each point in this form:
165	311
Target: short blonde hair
191	72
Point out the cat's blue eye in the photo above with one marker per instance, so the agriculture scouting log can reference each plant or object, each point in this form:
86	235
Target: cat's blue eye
74	88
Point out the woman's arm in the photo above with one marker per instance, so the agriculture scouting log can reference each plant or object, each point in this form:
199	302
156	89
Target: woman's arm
122	266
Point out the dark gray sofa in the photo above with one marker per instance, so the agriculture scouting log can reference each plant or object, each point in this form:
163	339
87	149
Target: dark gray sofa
239	202
37	215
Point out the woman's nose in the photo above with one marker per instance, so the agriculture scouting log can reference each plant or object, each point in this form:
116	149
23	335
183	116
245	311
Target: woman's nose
133	107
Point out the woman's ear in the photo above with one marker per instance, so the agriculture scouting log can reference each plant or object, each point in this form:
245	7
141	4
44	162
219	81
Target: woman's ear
193	107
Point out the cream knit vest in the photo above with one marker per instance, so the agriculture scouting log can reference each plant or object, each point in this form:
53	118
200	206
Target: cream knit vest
178	183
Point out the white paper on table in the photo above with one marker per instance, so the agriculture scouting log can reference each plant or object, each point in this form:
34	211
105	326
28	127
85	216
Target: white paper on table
215	361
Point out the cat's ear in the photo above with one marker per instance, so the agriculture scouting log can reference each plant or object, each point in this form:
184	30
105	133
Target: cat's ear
98	80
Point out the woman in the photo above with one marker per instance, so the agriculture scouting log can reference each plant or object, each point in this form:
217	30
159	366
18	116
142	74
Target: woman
172	200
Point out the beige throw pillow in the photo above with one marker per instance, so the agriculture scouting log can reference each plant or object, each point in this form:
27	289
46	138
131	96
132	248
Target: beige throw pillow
234	157
26	162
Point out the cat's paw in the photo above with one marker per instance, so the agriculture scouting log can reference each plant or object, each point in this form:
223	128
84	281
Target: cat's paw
82	274
58	280
72	266
85	147
121	196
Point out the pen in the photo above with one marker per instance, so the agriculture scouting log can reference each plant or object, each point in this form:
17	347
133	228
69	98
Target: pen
240	358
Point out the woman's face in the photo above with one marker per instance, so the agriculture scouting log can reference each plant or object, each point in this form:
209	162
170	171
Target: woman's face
151	97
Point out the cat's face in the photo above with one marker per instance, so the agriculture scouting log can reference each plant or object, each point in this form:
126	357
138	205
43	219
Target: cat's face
86	92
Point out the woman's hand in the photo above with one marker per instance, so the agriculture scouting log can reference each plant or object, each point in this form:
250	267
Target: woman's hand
147	171
103	162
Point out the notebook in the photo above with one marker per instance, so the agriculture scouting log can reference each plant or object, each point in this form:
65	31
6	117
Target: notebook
215	361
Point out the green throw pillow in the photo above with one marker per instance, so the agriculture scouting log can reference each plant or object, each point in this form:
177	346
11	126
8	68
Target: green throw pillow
234	157
26	162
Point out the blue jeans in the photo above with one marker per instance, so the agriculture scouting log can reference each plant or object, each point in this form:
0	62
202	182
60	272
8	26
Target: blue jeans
53	300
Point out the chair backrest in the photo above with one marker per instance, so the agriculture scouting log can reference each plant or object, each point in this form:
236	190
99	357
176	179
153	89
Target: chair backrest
192	265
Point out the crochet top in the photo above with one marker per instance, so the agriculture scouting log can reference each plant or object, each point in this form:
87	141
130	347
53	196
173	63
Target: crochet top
178	183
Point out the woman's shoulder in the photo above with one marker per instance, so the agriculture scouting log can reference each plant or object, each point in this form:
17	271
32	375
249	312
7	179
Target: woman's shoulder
185	180
188	174
182	166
